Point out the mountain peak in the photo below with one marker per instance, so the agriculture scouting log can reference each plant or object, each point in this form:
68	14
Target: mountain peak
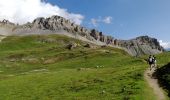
59	25
6	22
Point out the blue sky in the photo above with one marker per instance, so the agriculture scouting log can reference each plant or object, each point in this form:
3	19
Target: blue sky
130	18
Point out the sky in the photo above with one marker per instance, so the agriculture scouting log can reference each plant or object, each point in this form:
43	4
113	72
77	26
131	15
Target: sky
123	19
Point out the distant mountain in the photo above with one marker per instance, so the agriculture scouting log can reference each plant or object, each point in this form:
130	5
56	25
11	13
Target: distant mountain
142	45
59	25
168	49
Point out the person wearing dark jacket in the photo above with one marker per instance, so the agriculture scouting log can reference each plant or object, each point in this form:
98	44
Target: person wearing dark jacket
150	62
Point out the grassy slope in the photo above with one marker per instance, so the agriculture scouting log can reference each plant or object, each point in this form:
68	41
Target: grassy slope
41	68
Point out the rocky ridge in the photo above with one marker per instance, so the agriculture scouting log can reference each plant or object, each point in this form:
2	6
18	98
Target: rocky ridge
141	45
59	25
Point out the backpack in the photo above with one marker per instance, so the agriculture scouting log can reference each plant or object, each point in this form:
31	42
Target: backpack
150	59
154	60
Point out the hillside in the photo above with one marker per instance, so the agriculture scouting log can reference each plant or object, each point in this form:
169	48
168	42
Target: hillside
59	25
42	67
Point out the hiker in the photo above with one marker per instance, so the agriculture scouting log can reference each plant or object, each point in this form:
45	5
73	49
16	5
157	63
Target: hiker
154	61
150	61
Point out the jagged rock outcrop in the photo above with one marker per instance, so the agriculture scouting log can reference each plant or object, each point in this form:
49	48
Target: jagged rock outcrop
6	22
141	45
59	25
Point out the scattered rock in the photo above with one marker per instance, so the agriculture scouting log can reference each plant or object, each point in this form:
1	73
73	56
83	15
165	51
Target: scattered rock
39	70
83	69
33	60
103	46
71	46
49	61
88	45
99	66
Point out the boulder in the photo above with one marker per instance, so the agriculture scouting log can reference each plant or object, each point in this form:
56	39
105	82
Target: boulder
71	46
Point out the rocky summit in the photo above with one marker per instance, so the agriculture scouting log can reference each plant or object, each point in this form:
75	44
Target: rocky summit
141	45
59	25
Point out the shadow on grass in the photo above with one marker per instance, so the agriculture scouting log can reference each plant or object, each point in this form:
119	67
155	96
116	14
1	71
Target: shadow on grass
163	76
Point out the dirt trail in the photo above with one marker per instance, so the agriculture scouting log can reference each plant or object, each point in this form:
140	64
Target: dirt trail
153	83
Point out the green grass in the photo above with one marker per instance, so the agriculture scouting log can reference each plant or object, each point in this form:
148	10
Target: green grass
41	68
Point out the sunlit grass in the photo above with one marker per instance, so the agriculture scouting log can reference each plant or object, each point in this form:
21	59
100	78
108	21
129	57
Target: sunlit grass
41	68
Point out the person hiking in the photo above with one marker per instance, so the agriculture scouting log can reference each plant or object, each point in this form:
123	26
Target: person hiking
150	62
154	61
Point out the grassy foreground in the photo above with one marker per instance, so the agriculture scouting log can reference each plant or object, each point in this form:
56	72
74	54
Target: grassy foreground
42	68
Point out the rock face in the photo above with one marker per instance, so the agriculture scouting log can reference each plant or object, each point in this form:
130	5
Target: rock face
59	25
141	45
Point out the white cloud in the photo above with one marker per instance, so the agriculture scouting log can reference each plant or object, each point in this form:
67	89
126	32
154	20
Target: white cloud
96	21
166	45
22	11
107	20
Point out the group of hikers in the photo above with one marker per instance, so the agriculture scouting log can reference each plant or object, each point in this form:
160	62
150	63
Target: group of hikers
152	62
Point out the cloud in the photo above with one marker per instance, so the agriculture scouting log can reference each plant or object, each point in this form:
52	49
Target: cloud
22	11
96	21
166	45
107	20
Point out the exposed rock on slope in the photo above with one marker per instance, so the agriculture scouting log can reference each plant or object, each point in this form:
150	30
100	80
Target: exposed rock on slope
141	45
59	25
